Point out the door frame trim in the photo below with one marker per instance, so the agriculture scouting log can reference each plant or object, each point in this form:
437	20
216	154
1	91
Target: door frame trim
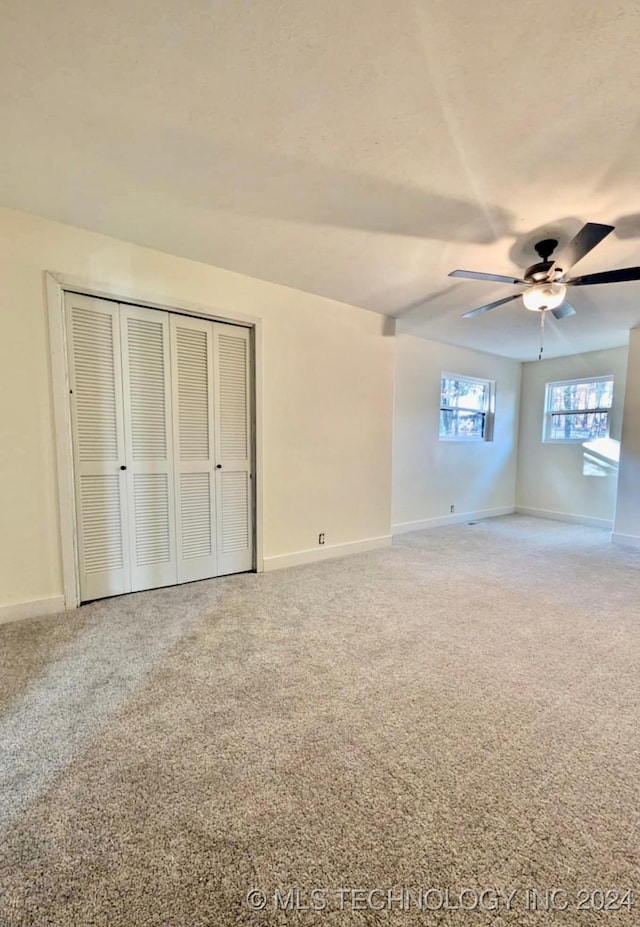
56	285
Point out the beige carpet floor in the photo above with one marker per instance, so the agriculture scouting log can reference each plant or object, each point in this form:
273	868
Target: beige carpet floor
452	723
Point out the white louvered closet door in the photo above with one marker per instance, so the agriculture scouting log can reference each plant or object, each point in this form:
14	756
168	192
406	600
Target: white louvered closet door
232	419
146	376
95	383
192	387
161	428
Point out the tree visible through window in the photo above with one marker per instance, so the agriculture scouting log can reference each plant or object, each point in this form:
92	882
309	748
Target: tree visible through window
578	410
465	408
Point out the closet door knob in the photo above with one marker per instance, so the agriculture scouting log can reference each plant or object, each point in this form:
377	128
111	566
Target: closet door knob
123	467
218	466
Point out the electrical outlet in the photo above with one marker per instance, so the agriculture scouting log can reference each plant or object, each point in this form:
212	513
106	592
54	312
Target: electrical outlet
321	538
452	509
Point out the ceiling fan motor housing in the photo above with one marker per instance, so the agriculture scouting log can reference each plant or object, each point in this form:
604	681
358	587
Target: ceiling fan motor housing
540	271
545	291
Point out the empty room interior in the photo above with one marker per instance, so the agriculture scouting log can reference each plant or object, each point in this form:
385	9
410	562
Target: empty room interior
319	464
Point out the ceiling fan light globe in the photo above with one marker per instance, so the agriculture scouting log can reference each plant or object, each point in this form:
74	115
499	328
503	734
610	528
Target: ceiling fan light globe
544	296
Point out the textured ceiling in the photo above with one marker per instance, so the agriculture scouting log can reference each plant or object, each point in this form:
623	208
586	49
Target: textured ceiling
357	150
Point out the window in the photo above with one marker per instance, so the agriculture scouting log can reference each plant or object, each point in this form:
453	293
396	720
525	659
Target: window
578	410
466	408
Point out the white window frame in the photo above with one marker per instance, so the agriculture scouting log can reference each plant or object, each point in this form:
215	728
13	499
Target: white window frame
488	412
549	413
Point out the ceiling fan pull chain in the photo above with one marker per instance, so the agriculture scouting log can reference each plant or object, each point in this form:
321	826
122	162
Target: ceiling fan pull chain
542	315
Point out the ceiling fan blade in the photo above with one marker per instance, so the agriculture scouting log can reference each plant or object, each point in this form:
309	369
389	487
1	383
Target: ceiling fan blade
494	278
498	302
607	276
587	238
563	311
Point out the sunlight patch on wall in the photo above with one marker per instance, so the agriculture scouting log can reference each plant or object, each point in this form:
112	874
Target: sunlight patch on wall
601	457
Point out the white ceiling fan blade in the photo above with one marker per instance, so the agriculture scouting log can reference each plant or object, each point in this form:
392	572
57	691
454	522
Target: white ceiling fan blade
498	302
492	278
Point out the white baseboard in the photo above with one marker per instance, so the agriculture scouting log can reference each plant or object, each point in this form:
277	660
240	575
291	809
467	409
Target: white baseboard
455	519
628	540
605	523
36	608
328	552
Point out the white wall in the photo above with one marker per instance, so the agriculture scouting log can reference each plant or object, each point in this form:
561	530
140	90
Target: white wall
551	482
326	403
430	475
627	515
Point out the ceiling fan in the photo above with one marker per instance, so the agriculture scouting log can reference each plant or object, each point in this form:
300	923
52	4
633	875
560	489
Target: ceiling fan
546	282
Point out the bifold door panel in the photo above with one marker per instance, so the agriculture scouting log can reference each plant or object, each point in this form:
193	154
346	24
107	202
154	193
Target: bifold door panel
161	429
194	453
95	377
233	442
146	377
